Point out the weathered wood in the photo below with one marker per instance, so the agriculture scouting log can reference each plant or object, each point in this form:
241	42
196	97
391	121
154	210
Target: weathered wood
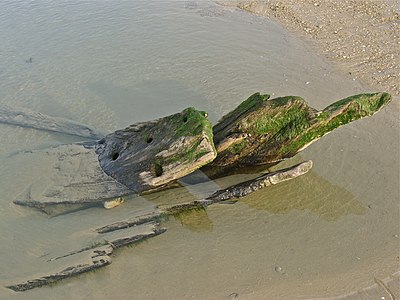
31	119
151	154
248	187
142	157
236	191
90	258
147	226
94	259
263	131
66	175
151	217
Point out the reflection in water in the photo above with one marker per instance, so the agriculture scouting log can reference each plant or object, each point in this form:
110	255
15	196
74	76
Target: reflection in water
309	192
175	97
195	220
101	60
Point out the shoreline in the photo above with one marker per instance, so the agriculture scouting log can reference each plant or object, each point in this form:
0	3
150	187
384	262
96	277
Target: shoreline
361	37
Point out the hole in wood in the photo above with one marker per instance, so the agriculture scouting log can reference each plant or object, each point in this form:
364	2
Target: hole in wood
115	156
158	170
149	140
185	119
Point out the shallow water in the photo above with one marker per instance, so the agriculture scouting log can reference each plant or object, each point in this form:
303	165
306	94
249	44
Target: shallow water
110	64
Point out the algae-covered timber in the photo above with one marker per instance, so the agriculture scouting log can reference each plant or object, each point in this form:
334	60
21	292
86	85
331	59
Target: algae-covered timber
24	117
90	258
141	157
259	132
149	155
98	255
263	131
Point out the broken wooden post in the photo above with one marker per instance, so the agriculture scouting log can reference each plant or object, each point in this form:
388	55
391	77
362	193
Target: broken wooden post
263	131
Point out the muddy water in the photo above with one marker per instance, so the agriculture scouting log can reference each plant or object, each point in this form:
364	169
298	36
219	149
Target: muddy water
110	64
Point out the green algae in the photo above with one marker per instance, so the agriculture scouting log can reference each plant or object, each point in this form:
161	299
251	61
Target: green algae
282	101
294	119
186	209
237	148
195	123
158	169
253	103
279	128
368	104
189	154
177	211
192	122
337	114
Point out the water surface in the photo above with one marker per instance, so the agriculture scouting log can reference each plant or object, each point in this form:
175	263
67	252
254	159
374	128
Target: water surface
110	64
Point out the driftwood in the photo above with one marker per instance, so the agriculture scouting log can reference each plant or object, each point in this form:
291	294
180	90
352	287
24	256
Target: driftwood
150	155
67	175
263	131
148	226
93	257
139	158
248	187
31	119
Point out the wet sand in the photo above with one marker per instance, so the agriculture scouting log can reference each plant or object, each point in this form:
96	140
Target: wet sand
362	37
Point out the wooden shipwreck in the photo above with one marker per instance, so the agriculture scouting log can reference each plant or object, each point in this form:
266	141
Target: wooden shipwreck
152	155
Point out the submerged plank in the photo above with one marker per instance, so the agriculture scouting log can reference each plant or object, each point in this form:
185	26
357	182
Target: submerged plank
90	258
141	157
250	186
31	119
141	227
67	175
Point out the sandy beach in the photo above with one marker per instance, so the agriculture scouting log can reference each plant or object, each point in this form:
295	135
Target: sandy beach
362	37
